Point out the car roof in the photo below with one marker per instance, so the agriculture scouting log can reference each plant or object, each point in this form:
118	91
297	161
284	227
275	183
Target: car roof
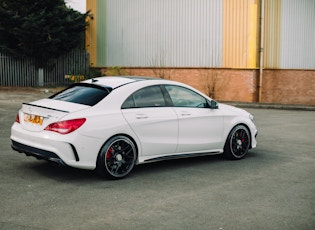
117	81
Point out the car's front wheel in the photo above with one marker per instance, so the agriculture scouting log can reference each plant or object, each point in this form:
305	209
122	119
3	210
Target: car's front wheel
237	143
117	158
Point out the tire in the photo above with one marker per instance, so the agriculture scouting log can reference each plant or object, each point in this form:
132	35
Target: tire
237	143
116	158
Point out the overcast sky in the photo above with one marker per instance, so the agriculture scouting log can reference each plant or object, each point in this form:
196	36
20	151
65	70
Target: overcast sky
78	5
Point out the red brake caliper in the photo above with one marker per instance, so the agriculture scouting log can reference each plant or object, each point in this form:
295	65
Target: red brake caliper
109	153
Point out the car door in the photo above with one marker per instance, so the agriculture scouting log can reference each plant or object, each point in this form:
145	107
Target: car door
200	127
153	122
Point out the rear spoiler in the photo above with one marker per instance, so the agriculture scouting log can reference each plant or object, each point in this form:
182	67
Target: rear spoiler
46	107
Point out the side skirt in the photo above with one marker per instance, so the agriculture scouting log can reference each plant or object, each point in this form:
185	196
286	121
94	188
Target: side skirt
179	156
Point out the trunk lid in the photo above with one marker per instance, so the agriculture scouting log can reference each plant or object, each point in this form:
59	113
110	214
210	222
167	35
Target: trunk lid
35	116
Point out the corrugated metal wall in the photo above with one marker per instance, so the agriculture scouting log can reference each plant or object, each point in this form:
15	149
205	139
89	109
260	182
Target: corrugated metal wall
240	22
181	33
203	33
289	34
272	33
297	48
91	30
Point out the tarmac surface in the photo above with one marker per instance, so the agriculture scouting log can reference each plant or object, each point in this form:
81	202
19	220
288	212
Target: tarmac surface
272	188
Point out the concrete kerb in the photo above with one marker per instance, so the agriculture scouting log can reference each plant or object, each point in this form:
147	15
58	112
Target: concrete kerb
256	105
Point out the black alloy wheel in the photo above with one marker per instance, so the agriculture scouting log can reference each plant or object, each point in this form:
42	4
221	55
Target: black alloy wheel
117	158
237	143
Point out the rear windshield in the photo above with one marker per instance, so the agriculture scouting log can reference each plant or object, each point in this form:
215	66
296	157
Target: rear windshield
85	94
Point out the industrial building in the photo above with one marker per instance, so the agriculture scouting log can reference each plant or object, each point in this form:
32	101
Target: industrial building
232	50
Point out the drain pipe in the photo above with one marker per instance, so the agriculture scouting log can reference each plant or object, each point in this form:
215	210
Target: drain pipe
261	58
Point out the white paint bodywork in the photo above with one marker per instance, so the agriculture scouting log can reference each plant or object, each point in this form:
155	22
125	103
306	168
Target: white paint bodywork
157	132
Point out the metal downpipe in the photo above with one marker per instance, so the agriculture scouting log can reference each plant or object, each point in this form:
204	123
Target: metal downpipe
261	57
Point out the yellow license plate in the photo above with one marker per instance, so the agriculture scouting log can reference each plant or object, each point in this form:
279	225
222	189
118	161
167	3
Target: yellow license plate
34	119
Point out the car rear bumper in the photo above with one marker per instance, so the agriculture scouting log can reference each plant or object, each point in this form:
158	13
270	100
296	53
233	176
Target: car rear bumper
73	150
38	153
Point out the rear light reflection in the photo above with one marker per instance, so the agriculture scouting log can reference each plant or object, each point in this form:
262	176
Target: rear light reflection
17	118
65	127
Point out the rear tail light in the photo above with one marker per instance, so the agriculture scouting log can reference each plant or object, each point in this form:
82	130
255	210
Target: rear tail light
17	118
65	127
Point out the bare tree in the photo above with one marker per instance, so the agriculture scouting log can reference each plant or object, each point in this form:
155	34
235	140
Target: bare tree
159	69
212	81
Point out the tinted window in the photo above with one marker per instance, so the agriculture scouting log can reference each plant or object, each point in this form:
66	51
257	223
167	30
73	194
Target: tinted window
129	103
151	96
182	97
82	94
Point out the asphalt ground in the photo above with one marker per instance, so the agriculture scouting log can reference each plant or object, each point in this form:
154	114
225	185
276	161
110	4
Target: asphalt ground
272	188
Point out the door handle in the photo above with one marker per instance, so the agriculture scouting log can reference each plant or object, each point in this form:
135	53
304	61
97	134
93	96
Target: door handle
141	116
185	113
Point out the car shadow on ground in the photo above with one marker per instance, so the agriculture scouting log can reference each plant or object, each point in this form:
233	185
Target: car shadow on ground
68	174
177	164
64	173
199	163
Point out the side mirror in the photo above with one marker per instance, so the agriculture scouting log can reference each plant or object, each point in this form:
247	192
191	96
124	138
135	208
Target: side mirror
213	104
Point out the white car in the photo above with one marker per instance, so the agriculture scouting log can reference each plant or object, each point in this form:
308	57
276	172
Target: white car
112	124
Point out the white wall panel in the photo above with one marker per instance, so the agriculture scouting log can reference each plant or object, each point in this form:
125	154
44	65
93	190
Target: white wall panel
289	34
297	46
174	33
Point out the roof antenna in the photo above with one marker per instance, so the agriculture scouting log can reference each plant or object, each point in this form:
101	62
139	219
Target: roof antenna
94	80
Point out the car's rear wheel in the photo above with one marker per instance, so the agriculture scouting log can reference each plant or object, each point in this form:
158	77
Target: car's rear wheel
237	143
117	158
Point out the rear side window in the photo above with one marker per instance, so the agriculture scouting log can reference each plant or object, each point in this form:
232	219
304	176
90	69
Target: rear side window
82	94
151	96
